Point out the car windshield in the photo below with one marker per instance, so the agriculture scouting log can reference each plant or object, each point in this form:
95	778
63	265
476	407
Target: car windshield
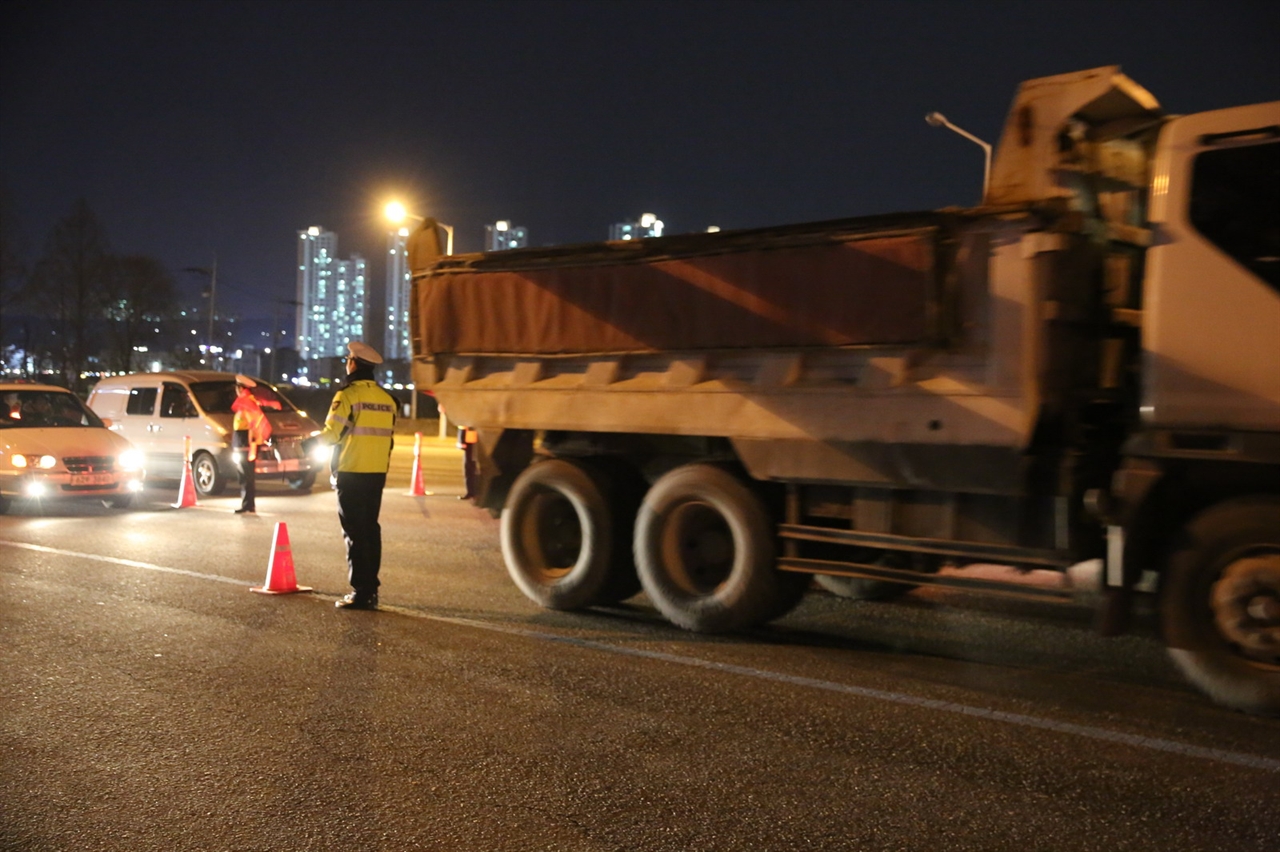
216	397
43	409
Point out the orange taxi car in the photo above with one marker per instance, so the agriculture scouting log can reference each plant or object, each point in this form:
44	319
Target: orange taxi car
52	447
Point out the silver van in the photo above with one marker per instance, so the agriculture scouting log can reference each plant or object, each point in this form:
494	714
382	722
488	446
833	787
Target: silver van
158	411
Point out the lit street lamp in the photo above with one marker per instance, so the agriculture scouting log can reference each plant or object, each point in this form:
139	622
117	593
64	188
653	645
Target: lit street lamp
937	119
395	213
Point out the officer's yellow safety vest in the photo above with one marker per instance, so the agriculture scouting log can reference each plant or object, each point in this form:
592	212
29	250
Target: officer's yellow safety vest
362	419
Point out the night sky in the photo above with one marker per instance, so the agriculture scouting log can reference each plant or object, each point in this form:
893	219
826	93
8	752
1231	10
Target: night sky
195	129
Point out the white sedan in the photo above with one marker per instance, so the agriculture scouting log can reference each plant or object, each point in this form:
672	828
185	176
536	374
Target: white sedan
52	447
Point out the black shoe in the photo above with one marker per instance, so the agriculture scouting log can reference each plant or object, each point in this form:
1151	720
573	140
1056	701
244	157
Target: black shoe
357	601
246	512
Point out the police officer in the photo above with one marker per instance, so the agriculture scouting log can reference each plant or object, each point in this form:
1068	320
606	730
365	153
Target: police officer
361	422
251	429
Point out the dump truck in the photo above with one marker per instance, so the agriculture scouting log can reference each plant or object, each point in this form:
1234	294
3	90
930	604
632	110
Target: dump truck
1084	367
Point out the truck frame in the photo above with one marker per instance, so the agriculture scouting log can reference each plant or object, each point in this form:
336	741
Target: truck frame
1084	367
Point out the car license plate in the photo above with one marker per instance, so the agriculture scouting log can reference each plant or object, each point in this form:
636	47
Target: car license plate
91	479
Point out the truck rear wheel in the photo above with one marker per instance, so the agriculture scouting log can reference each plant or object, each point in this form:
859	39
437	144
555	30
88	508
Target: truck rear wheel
1221	605
559	537
704	545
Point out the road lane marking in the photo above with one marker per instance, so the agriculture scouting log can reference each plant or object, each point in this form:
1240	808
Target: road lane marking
128	563
1018	719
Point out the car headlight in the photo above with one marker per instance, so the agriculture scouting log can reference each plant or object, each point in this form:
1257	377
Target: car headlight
130	461
42	462
318	451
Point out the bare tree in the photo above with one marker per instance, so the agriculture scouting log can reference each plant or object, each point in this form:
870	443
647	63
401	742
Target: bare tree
140	294
69	286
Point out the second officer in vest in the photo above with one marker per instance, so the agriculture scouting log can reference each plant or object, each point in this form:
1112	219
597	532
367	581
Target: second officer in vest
361	422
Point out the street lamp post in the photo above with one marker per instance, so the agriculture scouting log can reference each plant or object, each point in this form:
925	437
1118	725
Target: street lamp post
212	272
396	213
937	119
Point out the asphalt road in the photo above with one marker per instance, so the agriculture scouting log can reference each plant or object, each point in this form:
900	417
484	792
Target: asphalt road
151	702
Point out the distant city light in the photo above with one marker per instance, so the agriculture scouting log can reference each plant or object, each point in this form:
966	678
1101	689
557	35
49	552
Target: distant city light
648	225
504	234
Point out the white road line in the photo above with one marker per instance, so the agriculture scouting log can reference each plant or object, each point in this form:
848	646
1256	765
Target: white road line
1019	719
128	563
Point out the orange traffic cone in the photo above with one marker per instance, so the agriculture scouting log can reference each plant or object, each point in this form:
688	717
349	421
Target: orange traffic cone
280	578
415	478
187	488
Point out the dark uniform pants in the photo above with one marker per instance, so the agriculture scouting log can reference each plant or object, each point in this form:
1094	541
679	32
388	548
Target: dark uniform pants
359	504
247	468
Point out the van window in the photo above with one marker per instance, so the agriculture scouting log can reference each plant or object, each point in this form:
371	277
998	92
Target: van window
216	397
174	402
141	401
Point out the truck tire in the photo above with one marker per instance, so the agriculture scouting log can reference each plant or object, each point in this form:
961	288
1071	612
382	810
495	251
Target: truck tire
558	537
704	545
1220	607
208	479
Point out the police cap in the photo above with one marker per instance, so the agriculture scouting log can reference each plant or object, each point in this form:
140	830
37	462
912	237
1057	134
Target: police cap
364	352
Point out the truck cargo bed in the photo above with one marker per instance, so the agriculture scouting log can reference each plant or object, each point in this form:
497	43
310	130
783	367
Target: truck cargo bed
854	282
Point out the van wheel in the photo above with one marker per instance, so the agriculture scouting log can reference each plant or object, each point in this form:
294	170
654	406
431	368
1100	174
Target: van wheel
208	478
558	536
1220	607
302	481
704	546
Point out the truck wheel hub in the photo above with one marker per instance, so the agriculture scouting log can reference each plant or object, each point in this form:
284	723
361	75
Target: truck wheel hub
1246	606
